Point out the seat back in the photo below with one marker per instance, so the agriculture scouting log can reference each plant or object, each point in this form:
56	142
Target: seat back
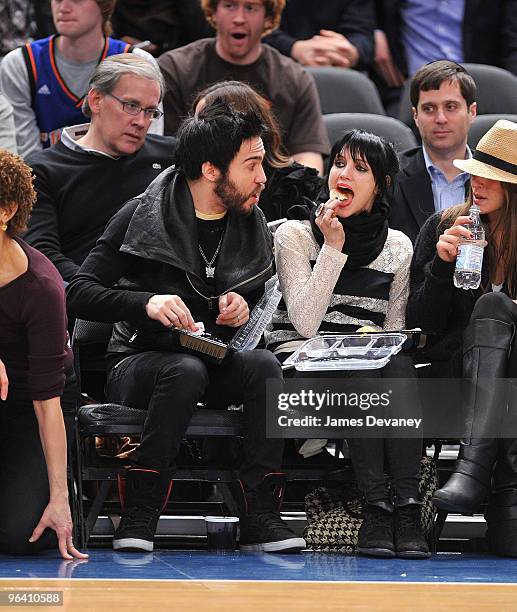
391	129
482	124
89	343
496	92
346	91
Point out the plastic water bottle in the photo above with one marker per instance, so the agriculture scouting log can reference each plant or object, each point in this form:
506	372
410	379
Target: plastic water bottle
467	274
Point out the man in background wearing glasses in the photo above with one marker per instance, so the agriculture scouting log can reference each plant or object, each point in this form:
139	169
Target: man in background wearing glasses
85	178
46	80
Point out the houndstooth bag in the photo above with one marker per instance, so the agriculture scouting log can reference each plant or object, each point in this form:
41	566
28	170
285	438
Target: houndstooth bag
334	514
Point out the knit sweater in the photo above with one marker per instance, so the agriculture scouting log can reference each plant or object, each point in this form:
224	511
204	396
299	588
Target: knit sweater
308	274
80	191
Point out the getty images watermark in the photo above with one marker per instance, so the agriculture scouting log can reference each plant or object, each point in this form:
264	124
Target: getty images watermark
310	399
375	407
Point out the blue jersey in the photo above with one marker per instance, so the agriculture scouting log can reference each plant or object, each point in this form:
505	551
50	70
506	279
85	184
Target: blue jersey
54	104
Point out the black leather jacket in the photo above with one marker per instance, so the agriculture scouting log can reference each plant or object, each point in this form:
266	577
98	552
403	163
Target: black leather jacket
150	247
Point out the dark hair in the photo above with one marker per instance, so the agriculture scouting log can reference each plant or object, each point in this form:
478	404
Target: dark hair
432	75
379	154
214	135
16	189
243	98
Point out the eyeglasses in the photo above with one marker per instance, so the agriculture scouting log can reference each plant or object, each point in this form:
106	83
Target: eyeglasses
132	108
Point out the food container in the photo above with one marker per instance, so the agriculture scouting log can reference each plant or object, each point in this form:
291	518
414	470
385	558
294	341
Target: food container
346	351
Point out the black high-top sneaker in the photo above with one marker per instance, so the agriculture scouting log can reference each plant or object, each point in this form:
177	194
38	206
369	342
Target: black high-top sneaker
376	531
143	495
409	538
261	527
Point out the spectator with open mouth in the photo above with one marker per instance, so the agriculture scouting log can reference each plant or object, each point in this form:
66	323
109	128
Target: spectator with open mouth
342	270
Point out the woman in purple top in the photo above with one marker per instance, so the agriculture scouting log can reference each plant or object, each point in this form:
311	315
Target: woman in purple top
34	358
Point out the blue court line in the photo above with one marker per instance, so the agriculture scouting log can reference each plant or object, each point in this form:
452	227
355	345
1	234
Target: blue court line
309	566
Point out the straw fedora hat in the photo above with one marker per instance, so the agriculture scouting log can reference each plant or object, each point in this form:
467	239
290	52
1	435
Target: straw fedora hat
495	156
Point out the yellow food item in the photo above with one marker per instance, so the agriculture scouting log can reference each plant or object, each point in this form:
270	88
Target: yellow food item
338	195
366	329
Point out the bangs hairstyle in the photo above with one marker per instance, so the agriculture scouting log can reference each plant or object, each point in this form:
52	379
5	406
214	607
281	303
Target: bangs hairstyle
214	135
16	189
273	8
377	152
243	98
504	253
431	76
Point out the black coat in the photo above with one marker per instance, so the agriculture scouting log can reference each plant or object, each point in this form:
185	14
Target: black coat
412	197
151	247
412	200
436	305
489	32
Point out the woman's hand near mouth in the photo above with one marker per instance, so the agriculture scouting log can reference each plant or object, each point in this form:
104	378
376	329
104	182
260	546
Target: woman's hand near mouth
330	226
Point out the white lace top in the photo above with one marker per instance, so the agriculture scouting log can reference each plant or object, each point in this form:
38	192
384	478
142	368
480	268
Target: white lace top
308	290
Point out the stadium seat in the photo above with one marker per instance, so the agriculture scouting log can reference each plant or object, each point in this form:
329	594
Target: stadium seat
101	420
346	91
391	129
97	420
496	92
482	124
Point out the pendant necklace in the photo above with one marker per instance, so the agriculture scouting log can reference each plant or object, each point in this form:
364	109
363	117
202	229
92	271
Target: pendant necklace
210	268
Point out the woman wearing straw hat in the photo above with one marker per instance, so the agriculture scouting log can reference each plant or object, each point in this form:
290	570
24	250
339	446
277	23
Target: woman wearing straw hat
475	330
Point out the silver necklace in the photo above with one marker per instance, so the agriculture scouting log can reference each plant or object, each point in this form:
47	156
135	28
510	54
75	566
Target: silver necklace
210	268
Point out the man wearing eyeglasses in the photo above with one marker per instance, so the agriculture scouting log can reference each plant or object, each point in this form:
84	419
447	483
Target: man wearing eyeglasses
46	80
84	179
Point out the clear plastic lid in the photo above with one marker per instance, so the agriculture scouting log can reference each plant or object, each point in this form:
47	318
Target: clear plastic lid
346	351
250	334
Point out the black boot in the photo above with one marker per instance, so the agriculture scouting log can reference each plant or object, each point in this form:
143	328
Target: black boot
409	537
501	513
261	527
143	495
485	360
376	531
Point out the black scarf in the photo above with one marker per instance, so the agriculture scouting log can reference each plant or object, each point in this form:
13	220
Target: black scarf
365	234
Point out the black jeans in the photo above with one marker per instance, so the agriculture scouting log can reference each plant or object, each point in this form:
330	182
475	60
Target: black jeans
23	473
374	459
169	385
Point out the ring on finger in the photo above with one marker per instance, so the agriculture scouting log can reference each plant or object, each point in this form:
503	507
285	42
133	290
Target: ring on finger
320	209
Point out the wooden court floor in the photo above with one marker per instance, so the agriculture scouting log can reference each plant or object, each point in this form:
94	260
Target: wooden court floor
251	596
